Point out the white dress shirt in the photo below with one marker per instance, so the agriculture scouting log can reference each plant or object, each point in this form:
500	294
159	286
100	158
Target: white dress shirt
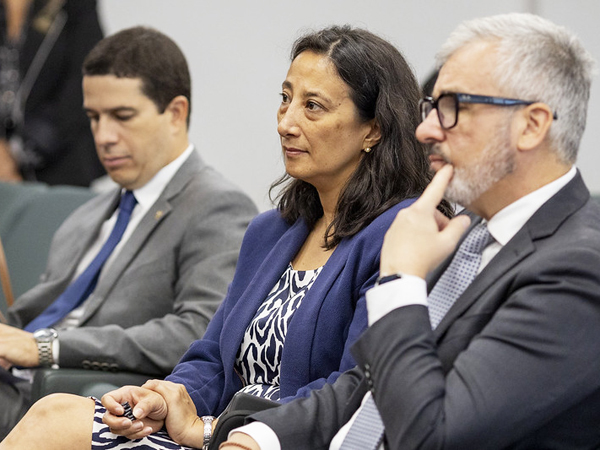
412	290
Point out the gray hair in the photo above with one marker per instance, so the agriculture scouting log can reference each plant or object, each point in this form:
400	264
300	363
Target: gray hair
537	61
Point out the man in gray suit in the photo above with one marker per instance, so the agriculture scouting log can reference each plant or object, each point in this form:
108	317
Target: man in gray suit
166	277
492	347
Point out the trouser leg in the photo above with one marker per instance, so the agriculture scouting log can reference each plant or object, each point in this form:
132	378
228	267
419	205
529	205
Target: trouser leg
15	400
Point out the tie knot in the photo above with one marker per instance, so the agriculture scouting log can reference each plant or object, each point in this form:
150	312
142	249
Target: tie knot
127	202
477	240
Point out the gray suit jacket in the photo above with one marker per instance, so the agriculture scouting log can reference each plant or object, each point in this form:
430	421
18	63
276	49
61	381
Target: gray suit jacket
514	364
165	284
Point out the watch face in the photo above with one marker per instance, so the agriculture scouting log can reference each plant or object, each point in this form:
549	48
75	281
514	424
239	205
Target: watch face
45	334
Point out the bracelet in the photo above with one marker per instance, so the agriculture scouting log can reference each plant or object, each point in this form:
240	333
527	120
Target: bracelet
235	444
208	420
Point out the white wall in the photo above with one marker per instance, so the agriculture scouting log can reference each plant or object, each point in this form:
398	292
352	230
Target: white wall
238	55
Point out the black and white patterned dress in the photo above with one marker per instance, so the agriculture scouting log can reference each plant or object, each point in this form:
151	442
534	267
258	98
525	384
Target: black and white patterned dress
258	359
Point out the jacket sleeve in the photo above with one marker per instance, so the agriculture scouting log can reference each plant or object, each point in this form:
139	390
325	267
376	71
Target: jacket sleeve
531	362
310	423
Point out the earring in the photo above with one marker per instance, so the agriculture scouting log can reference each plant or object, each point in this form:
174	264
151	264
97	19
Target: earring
367	150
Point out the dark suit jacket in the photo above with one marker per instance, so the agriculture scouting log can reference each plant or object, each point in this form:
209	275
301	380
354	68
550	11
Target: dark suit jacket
164	286
514	364
317	344
56	129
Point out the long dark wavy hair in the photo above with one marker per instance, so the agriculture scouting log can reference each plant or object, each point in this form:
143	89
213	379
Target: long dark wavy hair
383	87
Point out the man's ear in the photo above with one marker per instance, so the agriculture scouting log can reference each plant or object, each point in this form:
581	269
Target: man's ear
179	109
535	122
373	136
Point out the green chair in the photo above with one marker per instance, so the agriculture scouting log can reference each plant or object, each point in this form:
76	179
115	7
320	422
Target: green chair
30	214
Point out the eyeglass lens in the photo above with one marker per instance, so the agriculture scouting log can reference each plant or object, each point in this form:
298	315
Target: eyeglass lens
447	110
446	106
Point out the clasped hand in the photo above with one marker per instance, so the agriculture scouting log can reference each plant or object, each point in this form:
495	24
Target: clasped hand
421	237
155	404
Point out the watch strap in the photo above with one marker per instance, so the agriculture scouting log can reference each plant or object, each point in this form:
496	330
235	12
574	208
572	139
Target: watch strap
45	354
388	278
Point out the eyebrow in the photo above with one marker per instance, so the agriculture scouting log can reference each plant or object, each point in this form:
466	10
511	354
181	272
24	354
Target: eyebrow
288	85
118	109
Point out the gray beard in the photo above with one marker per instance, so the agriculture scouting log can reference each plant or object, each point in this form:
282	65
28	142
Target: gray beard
495	162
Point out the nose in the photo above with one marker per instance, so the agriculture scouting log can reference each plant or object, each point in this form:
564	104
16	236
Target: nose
287	120
430	131
104	132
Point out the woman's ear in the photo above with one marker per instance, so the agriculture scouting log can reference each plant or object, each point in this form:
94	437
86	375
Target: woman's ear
535	121
373	136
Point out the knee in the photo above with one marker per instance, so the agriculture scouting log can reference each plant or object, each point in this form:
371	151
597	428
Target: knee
53	406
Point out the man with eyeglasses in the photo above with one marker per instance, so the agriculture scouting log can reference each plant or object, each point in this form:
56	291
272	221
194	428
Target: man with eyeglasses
483	329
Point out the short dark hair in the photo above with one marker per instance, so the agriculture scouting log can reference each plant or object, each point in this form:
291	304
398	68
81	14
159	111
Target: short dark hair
383	88
148	54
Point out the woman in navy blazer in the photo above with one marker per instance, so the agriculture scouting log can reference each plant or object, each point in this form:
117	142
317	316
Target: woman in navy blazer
346	121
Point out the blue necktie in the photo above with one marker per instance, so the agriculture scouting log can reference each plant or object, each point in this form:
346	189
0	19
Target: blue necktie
367	430
84	284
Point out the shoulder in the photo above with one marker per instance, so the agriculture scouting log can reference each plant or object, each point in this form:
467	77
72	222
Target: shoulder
268	226
200	187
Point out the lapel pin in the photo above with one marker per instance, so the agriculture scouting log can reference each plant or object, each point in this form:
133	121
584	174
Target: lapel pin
158	214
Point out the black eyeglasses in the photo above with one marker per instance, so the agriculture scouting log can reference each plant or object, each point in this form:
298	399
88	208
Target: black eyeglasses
446	106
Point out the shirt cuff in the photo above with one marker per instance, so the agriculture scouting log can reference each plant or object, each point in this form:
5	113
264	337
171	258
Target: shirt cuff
383	299
264	436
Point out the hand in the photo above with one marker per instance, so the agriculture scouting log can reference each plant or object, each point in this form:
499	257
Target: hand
421	237
9	170
18	347
149	408
183	424
240	438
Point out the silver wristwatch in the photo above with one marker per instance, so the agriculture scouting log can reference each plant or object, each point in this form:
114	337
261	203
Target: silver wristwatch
208	420
44	338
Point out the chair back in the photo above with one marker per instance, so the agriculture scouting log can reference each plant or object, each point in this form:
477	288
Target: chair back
30	214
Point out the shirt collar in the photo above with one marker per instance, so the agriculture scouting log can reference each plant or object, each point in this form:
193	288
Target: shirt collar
509	220
147	195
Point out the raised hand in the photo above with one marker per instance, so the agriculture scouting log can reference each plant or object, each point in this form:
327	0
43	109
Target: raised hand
421	237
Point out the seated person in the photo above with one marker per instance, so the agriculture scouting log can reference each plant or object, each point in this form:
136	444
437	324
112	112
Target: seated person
297	301
44	134
169	272
502	353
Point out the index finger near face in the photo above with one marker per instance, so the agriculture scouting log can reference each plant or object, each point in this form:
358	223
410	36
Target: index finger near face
434	192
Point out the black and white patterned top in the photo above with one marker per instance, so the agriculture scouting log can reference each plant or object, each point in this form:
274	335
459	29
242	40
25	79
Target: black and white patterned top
259	357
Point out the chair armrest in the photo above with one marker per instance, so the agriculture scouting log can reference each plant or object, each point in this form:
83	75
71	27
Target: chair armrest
81	382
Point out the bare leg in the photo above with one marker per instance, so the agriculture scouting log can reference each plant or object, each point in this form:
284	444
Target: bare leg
57	421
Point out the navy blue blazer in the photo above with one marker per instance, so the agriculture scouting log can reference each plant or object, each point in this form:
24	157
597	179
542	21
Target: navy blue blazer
331	317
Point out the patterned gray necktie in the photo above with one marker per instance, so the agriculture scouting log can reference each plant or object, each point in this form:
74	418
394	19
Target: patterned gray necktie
366	433
459	274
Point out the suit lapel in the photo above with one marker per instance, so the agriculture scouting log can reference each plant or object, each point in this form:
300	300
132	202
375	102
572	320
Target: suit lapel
267	274
546	220
155	215
88	230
